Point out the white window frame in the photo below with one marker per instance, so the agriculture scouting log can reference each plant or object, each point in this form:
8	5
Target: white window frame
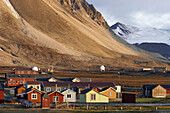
69	96
21	82
32	96
9	82
55	98
48	89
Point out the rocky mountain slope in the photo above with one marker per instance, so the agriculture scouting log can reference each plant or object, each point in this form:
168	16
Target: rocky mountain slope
64	34
150	39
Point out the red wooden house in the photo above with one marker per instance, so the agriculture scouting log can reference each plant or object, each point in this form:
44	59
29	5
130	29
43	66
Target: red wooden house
32	94
1	93
14	80
26	72
55	97
45	103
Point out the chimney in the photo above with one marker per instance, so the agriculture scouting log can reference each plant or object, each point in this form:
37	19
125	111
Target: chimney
56	87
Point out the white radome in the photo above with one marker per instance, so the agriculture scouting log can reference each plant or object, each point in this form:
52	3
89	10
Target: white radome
102	68
35	68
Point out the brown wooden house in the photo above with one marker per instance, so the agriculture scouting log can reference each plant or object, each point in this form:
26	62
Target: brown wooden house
20	89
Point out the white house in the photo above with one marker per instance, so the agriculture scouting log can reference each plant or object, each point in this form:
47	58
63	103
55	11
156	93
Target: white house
34	84
69	95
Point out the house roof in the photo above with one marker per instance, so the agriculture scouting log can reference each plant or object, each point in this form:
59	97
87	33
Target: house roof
1	87
85	79
149	87
65	79
78	84
85	91
49	93
24	70
88	90
165	86
45	96
33	82
11	75
20	87
67	90
42	79
106	88
32	89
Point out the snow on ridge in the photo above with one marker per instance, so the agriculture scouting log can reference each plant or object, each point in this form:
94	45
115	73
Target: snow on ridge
141	35
12	9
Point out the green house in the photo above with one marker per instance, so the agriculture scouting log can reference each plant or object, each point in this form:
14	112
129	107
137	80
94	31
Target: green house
92	96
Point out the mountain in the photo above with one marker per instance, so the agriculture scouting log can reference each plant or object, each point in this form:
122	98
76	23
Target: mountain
66	34
150	39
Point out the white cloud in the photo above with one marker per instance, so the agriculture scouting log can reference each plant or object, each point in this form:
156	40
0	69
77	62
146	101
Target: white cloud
155	20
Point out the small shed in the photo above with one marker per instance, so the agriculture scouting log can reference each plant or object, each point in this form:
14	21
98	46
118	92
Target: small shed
45	103
128	98
1	93
69	95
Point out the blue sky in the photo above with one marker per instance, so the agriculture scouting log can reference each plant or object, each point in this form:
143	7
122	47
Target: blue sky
139	13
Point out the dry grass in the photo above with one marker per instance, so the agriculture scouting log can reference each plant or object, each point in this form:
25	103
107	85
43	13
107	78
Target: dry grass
52	36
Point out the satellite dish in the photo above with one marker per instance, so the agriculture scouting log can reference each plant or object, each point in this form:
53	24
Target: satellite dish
35	68
102	68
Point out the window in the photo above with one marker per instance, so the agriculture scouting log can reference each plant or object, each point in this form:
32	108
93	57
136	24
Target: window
28	72
19	72
68	95
21	82
37	87
22	72
110	93
14	82
93	96
9	82
34	72
58	89
23	91
34	96
55	98
48	89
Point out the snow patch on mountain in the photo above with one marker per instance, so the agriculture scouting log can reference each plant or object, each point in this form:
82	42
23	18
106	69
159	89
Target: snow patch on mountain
141	35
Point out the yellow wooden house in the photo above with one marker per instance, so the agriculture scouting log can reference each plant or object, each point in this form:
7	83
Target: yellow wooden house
92	96
109	91
159	92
